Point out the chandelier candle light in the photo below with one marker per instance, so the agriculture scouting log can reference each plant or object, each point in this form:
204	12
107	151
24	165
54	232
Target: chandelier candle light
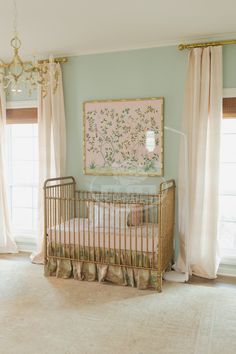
17	72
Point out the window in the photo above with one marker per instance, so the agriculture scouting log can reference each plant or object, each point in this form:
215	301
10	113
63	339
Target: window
22	162
228	184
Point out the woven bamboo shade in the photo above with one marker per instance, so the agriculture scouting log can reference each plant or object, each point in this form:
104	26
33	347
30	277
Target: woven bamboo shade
22	115
229	107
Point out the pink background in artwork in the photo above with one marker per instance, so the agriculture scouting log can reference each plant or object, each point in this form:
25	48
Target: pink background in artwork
131	130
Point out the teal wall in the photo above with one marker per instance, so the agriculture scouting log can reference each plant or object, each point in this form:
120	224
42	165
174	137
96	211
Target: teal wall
132	74
229	66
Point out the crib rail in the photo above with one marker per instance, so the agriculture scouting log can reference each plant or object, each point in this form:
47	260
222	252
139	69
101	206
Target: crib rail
59	187
125	229
167	223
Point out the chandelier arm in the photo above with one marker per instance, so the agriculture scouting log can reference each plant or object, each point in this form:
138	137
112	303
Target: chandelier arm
3	64
32	74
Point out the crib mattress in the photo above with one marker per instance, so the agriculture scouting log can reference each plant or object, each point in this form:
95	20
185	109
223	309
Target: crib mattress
143	238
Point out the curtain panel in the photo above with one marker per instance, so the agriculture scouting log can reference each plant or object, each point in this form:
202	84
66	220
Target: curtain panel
199	172
52	142
7	244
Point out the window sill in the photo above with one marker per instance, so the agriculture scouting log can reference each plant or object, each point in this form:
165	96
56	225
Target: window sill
27	244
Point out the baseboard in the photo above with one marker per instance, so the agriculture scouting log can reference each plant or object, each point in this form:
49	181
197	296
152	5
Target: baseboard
227	270
25	244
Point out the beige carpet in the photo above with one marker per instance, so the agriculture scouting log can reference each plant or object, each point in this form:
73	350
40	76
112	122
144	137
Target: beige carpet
53	316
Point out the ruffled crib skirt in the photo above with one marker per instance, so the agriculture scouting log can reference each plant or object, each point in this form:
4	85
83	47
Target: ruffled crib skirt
90	271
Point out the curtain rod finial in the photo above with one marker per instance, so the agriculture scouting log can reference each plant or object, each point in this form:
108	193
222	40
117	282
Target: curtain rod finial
181	46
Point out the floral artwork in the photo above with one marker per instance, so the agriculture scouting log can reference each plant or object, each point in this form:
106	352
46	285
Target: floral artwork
123	137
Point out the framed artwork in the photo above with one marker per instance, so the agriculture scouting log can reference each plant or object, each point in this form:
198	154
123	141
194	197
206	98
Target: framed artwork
123	137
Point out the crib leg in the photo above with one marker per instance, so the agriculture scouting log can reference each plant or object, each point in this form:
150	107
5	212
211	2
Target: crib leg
159	283
46	270
169	267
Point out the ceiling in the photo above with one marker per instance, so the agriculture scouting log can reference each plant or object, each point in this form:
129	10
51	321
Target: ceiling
73	27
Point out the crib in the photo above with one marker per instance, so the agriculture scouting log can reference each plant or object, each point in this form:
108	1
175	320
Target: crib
118	237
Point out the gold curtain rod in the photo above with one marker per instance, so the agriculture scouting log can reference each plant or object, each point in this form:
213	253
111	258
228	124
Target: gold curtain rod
61	60
56	60
207	44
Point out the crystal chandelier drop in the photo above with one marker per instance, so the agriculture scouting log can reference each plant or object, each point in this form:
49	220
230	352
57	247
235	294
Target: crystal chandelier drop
16	74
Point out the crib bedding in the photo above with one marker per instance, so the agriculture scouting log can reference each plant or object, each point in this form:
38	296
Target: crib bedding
80	231
80	240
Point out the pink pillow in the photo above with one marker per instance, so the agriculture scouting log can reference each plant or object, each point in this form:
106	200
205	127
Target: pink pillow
135	216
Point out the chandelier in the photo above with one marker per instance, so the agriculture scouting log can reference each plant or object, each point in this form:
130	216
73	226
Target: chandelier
16	74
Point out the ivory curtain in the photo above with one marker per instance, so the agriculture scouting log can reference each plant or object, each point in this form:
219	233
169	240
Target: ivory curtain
199	172
7	244
52	142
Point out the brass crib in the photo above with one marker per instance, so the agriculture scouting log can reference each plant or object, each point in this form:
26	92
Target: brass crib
125	238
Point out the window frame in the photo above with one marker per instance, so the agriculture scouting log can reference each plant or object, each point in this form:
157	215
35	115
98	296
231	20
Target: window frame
228	263
25	239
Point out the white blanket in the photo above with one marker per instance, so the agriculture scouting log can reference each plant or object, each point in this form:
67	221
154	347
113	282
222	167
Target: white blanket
80	231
